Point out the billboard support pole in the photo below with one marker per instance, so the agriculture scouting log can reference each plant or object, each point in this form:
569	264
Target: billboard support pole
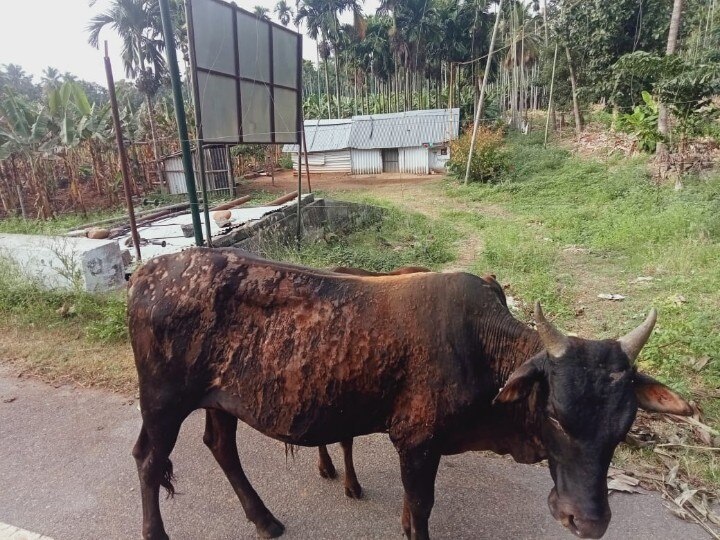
181	119
299	192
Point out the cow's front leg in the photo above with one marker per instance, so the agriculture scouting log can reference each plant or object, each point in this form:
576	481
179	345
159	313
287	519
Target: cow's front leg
418	467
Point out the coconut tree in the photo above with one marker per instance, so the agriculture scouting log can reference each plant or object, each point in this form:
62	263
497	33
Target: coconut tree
284	12
262	12
314	16
51	78
137	22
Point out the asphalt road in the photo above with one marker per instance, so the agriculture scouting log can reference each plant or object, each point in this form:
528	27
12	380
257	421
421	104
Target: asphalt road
66	472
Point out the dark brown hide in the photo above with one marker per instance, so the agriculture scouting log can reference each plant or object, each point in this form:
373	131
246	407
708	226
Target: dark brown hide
325	464
312	357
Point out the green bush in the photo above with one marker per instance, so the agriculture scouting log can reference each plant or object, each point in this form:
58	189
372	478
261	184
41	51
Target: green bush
642	123
100	316
285	161
490	160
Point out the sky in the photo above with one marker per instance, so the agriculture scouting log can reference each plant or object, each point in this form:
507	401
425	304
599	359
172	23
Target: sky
40	33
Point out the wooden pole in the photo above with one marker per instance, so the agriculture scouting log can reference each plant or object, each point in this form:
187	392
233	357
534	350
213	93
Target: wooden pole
481	100
122	154
550	99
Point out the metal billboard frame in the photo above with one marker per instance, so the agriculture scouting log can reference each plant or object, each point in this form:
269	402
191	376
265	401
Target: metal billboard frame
239	137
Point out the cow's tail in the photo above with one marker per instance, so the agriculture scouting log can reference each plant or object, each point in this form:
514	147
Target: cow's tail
167	478
290	450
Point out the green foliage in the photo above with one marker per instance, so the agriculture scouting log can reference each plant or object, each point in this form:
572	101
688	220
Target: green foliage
285	161
489	161
642	123
401	239
101	317
686	85
630	226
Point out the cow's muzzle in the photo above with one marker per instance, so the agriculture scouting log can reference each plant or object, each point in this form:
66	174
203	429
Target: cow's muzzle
578	522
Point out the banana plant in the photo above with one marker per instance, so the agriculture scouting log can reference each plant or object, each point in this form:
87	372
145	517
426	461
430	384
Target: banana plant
24	132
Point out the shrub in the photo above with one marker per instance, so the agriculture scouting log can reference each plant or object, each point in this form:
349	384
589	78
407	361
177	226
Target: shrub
642	123
285	161
489	161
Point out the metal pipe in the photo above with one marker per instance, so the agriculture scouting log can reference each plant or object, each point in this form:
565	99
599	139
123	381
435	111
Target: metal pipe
172	65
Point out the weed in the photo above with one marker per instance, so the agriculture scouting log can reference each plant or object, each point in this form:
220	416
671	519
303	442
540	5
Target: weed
633	228
401	239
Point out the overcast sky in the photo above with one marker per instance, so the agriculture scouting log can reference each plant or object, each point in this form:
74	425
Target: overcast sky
41	33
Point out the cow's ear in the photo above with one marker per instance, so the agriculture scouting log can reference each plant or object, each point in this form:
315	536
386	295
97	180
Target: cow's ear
520	383
654	396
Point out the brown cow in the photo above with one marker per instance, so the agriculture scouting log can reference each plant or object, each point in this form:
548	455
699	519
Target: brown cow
310	357
325	463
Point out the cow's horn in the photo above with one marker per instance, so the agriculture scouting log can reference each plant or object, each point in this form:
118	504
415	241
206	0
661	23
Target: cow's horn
555	342
633	342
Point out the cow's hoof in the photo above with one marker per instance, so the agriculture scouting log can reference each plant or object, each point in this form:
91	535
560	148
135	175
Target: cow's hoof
327	471
270	527
155	534
354	491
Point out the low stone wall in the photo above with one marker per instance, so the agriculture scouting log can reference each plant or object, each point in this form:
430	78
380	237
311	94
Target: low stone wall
319	217
59	262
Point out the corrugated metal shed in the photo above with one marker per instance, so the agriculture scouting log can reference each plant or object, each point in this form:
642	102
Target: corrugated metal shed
326	162
415	160
366	161
324	135
404	130
395	130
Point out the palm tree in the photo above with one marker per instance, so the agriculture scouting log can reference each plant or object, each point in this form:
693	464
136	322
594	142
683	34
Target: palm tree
284	12
137	22
312	13
261	12
51	78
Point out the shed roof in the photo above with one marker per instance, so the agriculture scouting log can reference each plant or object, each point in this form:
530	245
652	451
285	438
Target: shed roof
394	130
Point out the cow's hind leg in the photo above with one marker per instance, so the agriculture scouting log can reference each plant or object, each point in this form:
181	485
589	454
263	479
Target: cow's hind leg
352	486
151	453
325	464
418	468
220	430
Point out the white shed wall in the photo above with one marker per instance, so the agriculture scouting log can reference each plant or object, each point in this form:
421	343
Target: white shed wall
337	161
366	161
414	160
438	162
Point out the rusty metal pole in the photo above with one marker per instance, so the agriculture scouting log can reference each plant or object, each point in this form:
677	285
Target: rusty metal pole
307	165
122	154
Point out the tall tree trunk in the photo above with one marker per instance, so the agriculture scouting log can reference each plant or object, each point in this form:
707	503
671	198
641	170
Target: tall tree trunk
337	84
327	89
675	19
573	85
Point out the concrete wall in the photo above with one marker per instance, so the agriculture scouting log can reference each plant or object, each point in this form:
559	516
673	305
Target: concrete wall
319	217
57	262
438	162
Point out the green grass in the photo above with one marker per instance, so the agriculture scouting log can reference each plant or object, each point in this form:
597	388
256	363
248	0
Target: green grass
58	225
401	239
101	318
631	227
